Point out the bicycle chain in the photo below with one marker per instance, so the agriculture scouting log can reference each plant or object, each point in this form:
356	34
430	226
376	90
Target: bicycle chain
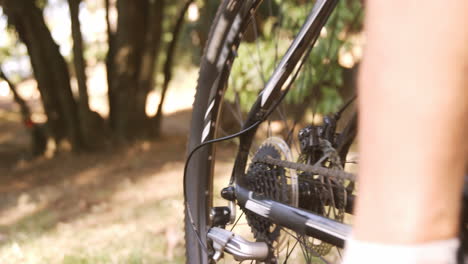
265	167
314	169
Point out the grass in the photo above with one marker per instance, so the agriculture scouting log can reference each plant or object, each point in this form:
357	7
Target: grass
117	206
133	235
112	208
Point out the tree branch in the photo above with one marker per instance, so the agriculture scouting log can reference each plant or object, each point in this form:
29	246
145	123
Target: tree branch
168	65
24	108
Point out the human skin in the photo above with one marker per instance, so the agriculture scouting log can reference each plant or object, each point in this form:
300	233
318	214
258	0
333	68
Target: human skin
413	127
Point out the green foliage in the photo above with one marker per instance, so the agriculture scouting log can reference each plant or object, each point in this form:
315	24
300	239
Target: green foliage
4	53
41	4
321	75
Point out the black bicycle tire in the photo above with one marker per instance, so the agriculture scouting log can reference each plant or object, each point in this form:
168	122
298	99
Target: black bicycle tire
196	197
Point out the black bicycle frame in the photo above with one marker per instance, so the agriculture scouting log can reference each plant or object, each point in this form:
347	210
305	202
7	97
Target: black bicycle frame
300	221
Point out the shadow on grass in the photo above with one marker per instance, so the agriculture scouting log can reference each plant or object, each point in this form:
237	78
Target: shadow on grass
36	196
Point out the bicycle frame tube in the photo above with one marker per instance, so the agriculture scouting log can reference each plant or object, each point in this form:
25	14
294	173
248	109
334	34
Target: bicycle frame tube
300	221
306	37
271	93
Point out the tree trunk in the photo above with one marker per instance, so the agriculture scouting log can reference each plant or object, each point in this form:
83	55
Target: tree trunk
109	65
129	42
80	71
148	66
50	70
136	44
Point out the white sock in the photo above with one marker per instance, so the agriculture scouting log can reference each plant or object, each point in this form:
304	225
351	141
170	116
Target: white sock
437	252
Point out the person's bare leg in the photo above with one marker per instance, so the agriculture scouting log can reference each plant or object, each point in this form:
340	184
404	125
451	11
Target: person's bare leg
413	121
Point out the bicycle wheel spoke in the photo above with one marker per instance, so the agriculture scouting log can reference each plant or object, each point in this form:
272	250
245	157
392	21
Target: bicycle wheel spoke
235	114
269	132
311	250
306	252
238	106
290	252
257	45
290	131
339	253
290	136
237	220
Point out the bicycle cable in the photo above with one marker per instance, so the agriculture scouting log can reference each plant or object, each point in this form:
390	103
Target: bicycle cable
255	124
189	212
216	140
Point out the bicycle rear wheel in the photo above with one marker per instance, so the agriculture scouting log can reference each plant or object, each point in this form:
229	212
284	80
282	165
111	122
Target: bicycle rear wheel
221	102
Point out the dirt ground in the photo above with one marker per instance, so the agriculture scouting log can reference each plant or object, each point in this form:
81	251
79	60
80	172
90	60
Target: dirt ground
94	208
116	206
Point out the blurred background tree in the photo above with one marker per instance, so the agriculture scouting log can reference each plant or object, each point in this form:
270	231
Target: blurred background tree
137	43
135	36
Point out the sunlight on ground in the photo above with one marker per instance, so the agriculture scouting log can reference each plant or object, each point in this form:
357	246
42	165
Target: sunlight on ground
81	218
119	206
137	219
